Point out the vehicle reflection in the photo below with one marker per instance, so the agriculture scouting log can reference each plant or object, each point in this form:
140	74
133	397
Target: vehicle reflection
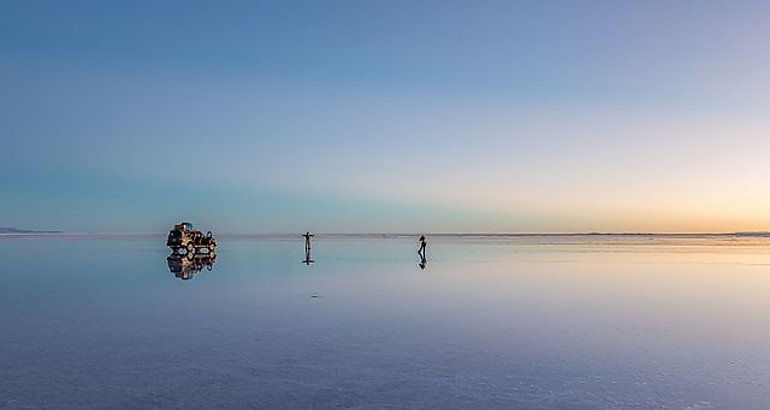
190	264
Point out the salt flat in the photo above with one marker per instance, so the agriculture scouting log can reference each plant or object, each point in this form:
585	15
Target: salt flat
534	322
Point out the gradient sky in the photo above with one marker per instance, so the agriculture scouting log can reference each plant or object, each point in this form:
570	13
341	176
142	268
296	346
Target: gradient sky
362	116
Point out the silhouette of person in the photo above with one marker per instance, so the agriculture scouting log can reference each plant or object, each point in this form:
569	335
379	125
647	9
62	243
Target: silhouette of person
423	244
307	237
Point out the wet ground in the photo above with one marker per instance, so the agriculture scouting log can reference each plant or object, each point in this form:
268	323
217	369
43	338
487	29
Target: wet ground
488	322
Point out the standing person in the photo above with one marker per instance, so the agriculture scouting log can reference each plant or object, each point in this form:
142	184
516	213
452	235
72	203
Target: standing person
307	237
423	244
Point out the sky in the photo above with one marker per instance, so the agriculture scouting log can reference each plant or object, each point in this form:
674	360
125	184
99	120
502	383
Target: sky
385	116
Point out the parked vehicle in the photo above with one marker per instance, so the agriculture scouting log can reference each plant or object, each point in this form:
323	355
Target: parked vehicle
183	236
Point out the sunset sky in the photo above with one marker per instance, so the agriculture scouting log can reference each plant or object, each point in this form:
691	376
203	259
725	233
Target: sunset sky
390	116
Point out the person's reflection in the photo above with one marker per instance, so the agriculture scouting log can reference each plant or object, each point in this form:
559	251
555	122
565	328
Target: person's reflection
308	258
423	262
188	265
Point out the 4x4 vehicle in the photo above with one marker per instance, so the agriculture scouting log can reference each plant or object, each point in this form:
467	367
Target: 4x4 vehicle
183	236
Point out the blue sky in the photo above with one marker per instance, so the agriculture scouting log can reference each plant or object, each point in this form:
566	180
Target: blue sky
385	116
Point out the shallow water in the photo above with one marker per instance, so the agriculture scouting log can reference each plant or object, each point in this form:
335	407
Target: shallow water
630	322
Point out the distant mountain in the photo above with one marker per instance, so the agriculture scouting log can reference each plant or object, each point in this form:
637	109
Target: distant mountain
17	230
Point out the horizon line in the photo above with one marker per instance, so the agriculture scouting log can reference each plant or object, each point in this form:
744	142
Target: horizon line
396	234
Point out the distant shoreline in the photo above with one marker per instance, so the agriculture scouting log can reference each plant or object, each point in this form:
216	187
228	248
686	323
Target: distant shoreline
11	231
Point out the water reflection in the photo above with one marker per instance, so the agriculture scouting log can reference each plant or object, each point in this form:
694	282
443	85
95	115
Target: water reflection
423	262
584	323
188	265
308	258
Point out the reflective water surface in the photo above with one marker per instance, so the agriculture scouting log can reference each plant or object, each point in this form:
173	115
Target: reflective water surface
483	322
